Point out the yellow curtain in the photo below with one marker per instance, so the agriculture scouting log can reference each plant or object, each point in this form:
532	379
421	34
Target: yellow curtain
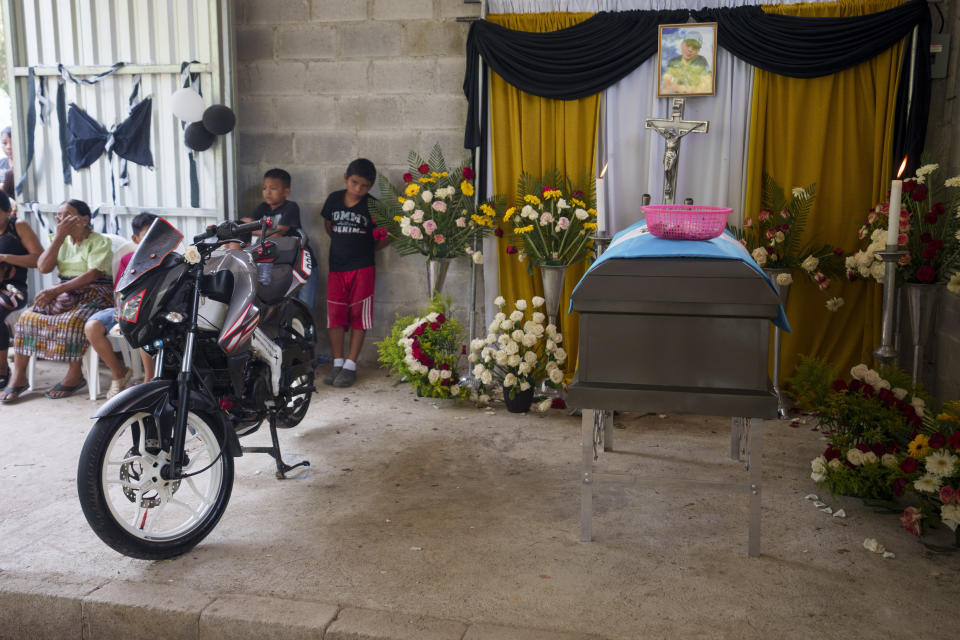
533	134
836	131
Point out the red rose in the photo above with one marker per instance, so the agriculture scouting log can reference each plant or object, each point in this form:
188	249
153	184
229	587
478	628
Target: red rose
919	194
839	385
929	252
468	173
831	453
937	208
434	325
909	185
511	249
441	318
926	237
878	449
866	390
937	441
855	385
898	485
379	233
558	403
863	446
954	441
838	252
930	217
926	273
424	168
444	367
498	232
407	177
577	194
909	465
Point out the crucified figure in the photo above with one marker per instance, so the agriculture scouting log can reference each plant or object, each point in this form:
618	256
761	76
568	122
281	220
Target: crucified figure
673	130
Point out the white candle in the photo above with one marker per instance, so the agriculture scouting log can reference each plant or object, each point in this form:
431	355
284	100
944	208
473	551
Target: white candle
601	207
893	221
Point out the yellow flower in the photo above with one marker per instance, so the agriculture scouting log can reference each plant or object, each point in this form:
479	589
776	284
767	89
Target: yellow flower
578	203
946	417
589	225
555	194
412	189
425	180
592	212
534	200
444	174
526	229
509	213
919	447
466	188
482	220
398	218
401	199
487	210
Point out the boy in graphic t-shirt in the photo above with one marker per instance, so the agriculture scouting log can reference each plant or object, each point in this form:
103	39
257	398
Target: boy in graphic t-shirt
350	283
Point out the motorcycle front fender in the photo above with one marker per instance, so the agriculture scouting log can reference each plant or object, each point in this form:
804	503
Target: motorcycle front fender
156	397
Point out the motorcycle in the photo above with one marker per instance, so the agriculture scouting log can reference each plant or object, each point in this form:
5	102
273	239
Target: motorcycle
232	349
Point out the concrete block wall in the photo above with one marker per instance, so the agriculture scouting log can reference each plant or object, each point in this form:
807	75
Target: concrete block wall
321	82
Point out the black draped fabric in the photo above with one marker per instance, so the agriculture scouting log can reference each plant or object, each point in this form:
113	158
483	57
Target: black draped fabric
589	57
87	139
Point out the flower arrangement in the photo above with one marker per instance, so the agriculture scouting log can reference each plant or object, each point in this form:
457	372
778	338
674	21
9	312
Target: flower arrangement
434	213
884	444
519	353
775	238
424	350
552	220
929	226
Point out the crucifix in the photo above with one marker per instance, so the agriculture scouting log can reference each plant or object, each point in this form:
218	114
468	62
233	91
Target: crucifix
673	129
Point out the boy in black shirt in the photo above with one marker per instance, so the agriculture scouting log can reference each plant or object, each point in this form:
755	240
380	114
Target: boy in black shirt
350	283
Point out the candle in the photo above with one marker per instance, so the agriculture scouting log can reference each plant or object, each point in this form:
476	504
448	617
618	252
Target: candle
601	202
893	221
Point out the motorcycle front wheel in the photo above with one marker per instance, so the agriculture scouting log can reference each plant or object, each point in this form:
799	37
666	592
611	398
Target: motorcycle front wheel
299	336
128	502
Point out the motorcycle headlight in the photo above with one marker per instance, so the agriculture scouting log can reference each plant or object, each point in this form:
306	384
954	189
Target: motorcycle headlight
130	310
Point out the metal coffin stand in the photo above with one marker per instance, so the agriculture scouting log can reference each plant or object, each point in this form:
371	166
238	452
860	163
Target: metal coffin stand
674	336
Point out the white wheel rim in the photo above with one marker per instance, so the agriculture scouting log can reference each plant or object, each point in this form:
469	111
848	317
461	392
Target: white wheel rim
162	510
302	381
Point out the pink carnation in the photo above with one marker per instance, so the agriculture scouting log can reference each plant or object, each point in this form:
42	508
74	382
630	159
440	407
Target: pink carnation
439	239
439	205
563	222
546	218
429	226
764	215
415	233
461	222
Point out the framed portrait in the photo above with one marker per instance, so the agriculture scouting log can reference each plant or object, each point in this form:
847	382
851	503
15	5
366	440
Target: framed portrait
687	59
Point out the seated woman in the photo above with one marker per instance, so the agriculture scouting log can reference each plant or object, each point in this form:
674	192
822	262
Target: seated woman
53	327
19	248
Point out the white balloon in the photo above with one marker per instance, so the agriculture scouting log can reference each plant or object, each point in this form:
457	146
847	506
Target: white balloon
187	105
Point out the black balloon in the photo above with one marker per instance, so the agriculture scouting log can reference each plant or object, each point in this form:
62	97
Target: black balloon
219	119
196	137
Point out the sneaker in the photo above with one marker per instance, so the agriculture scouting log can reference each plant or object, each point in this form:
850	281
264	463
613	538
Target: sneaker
330	377
345	378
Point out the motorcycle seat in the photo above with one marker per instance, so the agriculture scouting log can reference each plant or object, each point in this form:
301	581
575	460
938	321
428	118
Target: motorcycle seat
287	248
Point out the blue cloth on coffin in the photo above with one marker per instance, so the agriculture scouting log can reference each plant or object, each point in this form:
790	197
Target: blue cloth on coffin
636	242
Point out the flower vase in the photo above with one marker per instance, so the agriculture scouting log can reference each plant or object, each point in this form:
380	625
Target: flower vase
552	279
922	307
783	290
520	403
436	275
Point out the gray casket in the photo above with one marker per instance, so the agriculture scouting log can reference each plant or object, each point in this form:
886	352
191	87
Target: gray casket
674	335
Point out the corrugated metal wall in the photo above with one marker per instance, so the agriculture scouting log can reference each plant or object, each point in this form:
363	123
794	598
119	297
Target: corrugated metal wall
153	37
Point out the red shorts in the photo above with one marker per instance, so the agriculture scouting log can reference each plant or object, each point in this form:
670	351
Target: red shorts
350	298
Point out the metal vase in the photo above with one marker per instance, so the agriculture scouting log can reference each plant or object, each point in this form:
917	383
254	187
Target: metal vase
784	291
552	278
922	302
436	275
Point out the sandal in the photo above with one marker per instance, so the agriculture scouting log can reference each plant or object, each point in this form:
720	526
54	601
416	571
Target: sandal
65	390
12	394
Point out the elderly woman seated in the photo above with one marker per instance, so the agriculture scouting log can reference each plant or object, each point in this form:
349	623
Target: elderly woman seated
53	327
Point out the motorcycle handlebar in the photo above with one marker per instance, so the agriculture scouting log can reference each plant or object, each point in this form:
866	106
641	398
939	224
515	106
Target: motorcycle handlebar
229	230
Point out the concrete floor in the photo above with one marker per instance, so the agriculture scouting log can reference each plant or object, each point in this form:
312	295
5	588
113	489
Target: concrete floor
436	510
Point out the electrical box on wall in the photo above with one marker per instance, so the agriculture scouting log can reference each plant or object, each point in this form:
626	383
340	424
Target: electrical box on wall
939	54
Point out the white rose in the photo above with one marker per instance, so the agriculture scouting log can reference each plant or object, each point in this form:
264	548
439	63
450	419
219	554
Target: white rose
551	345
513	360
859	371
405	230
760	256
810	264
491	338
408	205
537	302
500	357
477	257
427	196
889	460
855	457
445	374
521	305
818	477
779	237
476	344
544	405
483	398
506	325
486	377
560	355
562	204
433	376
556	376
509	380
191	255
529	340
473	357
835	464
524	368
512	348
818	464
528	212
454	390
517	335
524	385
530	357
537	330
950	515
503	339
478	370
869	457
899	393
784	279
872	378
516	316
581	214
538	317
877	272
499	301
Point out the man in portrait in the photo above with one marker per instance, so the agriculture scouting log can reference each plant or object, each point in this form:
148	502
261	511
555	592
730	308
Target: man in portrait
688	72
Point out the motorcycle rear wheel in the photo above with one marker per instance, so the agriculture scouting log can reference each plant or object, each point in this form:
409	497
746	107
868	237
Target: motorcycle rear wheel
129	504
298	330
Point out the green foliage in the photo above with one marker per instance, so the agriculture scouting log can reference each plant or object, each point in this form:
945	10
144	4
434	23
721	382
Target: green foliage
810	383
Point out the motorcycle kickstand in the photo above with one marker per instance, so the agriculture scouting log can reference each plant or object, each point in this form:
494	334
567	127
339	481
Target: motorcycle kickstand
274	451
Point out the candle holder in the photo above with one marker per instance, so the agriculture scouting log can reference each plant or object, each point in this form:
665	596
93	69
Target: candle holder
601	240
887	352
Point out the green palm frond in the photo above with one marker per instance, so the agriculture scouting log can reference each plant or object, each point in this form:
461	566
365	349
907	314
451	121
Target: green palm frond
771	194
437	161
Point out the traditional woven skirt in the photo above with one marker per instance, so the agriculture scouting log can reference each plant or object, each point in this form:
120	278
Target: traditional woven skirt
54	333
